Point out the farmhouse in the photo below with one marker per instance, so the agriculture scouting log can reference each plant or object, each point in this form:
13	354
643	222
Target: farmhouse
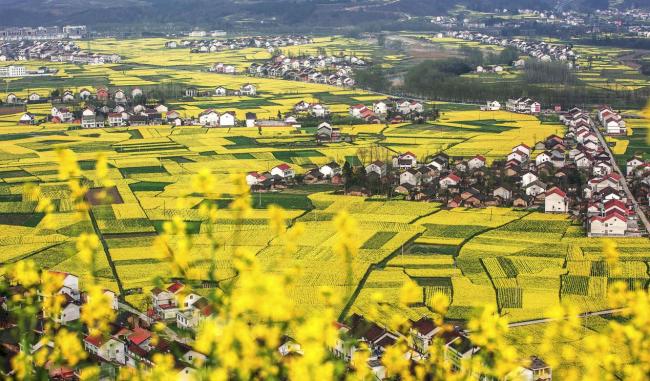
27	118
284	171
318	110
330	170
165	301
378	167
411	177
248	90
476	162
503	193
405	161
254	178
115	119
556	201
227	119
209	118
612	224
632	164
451	180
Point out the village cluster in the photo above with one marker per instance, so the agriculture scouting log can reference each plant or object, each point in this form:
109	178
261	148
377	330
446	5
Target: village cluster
571	174
332	70
131	341
52	50
218	45
43	33
541	50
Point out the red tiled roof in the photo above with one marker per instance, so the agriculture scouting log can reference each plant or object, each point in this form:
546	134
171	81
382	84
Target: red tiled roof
557	191
175	287
452	177
97	341
283	167
139	336
614	176
615	204
609	216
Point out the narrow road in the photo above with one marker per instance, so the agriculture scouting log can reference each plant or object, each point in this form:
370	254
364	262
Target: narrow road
626	188
549	320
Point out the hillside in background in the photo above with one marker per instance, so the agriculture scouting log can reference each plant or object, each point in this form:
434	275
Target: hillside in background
131	14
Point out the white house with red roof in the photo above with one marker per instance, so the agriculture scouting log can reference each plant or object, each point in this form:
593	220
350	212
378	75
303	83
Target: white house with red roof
451	180
165	301
283	170
611	180
616	206
476	162
357	110
556	201
110	349
613	223
254	178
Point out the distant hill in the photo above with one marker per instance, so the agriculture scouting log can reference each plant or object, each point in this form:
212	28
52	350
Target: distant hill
129	14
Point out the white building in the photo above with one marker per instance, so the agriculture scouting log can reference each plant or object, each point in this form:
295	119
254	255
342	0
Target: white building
330	169
378	167
283	170
556	201
612	224
209	118
13	71
227	119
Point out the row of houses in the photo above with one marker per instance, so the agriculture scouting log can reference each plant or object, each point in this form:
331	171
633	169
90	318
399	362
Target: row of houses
101	94
392	109
24	50
246	89
216	45
521	105
541	50
43	33
612	122
607	211
55	51
332	70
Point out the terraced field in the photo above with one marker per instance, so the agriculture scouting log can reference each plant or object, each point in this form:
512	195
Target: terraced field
521	261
